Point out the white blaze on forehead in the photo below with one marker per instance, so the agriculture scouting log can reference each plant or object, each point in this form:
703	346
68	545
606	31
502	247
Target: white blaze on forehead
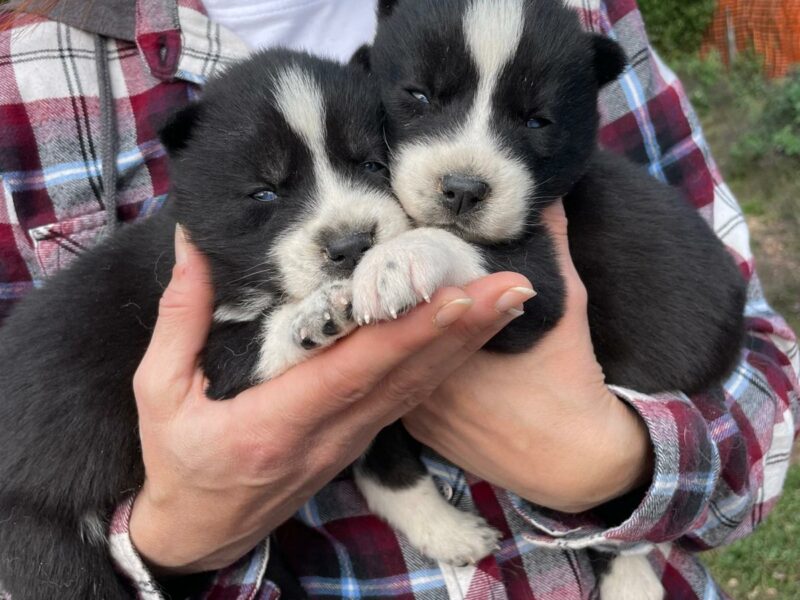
493	29
299	99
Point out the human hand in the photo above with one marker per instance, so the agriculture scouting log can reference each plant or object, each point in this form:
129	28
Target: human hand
542	424
221	475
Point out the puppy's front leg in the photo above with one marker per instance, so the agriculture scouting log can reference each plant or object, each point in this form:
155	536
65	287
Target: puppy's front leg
397	275
296	331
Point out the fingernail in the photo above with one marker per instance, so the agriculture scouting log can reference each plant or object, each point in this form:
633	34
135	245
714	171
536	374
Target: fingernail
180	245
452	312
512	298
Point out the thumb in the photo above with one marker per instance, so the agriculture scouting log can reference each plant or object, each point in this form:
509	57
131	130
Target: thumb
184	319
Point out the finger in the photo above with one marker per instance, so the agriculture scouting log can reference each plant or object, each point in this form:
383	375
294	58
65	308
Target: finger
328	383
555	219
498	300
184	318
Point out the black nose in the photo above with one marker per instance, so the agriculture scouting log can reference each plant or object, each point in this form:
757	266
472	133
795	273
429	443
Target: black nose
461	194
346	251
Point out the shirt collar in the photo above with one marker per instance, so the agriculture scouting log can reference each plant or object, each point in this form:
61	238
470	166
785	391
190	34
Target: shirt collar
111	18
189	47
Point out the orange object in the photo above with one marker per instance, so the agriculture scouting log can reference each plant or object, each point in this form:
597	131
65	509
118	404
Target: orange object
770	27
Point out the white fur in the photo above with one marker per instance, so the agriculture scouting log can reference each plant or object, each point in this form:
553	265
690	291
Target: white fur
285	328
631	577
432	525
93	529
337	203
399	274
249	307
492	29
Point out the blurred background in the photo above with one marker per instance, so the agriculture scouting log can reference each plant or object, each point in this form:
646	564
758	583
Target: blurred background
740	63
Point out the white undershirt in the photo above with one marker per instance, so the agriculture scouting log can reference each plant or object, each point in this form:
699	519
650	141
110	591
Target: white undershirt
331	28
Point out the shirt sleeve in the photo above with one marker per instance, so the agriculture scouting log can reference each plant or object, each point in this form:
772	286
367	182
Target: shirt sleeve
243	580
721	457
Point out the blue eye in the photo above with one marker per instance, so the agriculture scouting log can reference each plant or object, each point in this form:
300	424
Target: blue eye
538	123
373	167
419	96
264	196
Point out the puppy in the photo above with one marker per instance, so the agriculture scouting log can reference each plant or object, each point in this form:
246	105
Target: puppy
491	116
278	177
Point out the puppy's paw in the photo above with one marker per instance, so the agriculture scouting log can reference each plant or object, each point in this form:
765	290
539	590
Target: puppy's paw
324	317
429	522
395	276
461	539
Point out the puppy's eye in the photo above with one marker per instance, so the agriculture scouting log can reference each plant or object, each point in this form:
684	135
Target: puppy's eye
372	166
538	123
419	96
265	195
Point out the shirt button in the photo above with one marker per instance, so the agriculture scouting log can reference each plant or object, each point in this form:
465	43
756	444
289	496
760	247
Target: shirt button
446	489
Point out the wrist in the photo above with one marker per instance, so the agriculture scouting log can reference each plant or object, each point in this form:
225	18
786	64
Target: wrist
165	545
613	456
625	451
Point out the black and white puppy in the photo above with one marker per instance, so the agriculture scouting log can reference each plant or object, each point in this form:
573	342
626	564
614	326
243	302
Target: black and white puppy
278	177
491	116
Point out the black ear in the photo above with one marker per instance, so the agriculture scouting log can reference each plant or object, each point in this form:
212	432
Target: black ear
177	131
609	59
361	58
385	8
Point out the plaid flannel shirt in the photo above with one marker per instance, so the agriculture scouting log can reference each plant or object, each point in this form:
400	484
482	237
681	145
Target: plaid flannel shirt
720	458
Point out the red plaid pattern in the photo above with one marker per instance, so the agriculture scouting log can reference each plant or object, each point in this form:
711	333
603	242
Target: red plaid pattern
721	457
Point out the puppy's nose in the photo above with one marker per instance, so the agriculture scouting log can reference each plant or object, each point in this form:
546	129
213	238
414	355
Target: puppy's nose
346	251
461	194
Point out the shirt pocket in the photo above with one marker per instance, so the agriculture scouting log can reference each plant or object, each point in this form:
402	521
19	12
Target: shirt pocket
56	245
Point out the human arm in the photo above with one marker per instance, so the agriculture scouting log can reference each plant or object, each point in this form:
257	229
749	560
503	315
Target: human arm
554	412
221	475
720	457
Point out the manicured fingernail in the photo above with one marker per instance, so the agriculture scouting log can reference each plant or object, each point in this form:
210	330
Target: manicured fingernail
512	298
180	245
452	312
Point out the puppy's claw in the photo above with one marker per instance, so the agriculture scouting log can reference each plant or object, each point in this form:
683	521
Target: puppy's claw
427	297
394	314
367	319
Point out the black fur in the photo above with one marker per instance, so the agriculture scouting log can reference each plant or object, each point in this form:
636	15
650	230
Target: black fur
666	300
68	352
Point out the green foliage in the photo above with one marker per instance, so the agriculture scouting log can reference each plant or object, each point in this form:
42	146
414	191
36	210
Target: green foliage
767	113
776	125
764	565
676	27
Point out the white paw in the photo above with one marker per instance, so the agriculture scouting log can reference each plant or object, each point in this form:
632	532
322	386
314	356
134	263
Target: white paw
631	577
432	525
395	276
324	317
459	539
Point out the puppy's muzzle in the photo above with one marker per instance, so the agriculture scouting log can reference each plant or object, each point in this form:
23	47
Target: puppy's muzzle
345	252
461	194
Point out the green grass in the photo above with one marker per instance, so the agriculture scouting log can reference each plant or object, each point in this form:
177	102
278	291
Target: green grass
734	108
766	564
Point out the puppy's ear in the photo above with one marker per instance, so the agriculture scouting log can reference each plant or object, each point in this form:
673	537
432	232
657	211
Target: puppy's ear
609	59
385	8
177	131
361	58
